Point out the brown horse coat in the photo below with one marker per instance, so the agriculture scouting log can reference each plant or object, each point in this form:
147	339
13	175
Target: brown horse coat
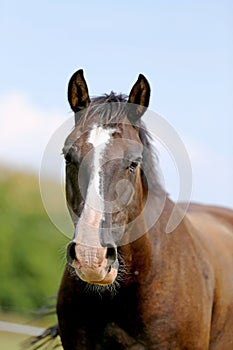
176	290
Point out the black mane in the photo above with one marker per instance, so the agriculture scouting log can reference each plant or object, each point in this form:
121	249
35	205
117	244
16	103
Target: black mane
109	108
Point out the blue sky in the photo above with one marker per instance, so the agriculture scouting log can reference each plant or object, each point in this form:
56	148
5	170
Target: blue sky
185	49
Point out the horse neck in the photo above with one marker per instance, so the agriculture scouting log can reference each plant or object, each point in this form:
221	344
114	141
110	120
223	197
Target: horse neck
137	257
154	246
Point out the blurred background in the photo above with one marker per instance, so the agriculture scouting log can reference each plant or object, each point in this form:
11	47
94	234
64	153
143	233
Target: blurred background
184	48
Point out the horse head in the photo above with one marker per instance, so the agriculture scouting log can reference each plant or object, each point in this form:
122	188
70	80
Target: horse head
104	177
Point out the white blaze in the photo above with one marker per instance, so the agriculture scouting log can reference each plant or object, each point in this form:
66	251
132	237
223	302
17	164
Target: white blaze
88	226
99	138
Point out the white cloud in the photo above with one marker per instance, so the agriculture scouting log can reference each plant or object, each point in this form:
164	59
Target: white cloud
25	130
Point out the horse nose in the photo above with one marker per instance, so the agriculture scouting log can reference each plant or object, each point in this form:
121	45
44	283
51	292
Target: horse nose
111	255
70	253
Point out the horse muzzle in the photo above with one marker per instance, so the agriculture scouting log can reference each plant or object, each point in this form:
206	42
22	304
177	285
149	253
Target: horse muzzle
96	265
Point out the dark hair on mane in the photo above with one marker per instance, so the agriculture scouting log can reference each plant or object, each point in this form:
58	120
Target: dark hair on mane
111	109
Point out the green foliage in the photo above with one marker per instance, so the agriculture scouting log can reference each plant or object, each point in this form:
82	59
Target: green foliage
32	251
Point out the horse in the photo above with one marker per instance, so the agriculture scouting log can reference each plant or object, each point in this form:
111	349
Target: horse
128	284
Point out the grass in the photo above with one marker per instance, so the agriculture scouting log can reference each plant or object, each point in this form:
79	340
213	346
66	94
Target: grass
14	341
32	250
9	341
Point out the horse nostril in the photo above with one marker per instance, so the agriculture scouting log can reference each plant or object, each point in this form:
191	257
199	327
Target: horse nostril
111	254
70	254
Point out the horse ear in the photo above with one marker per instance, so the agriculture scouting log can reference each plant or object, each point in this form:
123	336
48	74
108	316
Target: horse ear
140	96
78	95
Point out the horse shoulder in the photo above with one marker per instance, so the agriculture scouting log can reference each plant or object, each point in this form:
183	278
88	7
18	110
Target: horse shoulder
176	302
214	230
